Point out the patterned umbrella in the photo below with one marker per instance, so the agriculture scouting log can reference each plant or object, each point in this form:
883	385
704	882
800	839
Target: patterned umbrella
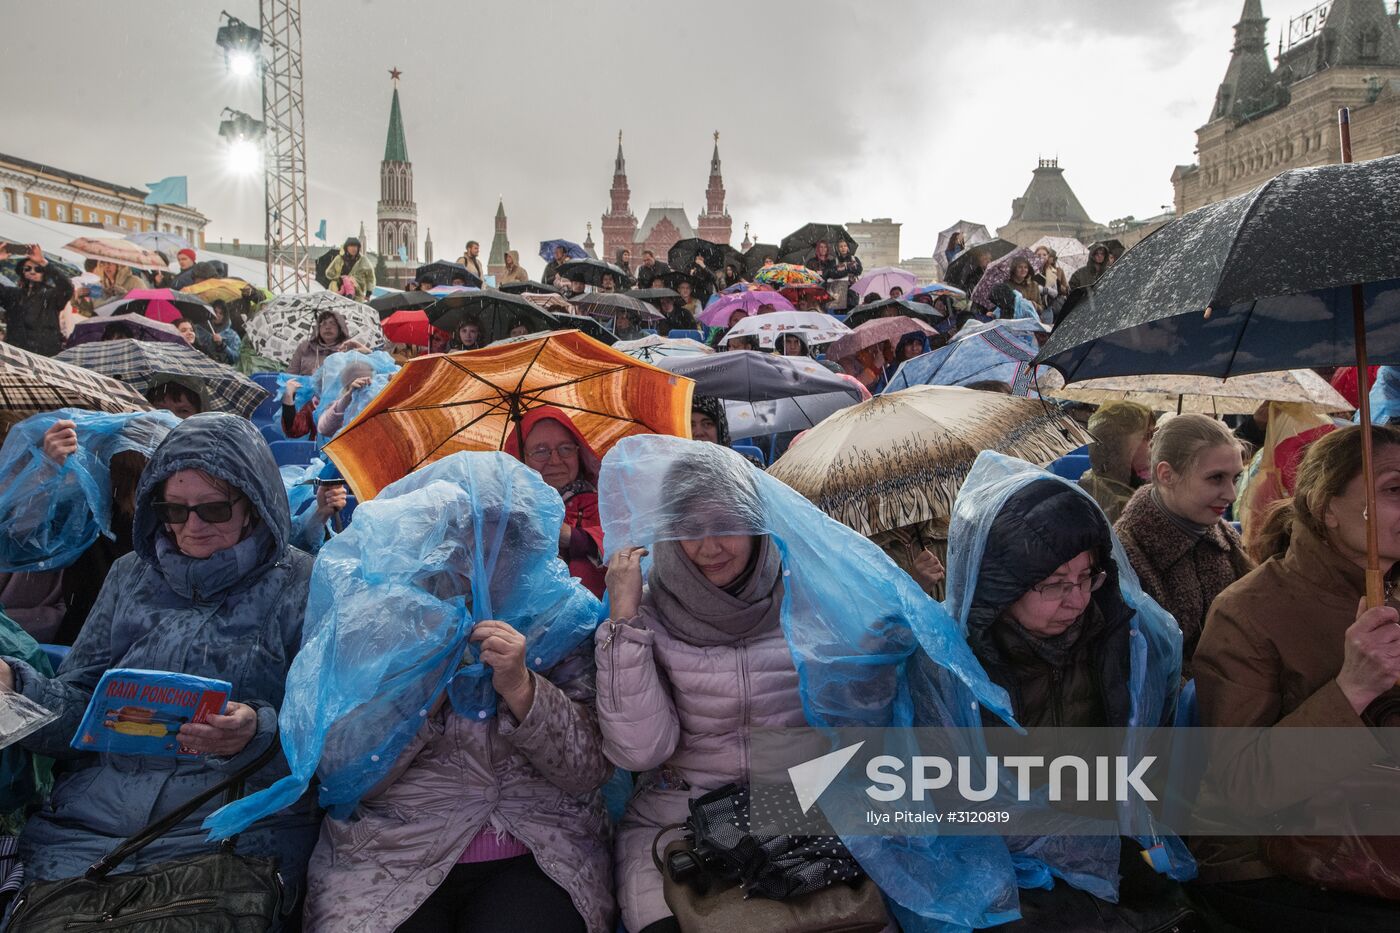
1070	254
439	405
898	460
116	250
719	312
999	272
999	351
934	290
1238	395
229	289
811	326
880	330
134	326
31	384
159	304
141	363
787	274
167	243
883	280
571	249
652	348
287	320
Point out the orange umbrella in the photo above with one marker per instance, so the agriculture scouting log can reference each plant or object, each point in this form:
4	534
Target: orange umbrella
441	404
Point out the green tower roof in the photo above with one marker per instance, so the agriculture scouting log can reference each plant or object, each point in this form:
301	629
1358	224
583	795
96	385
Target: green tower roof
395	147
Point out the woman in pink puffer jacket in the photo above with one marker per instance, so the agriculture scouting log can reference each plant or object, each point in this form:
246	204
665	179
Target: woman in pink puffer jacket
686	670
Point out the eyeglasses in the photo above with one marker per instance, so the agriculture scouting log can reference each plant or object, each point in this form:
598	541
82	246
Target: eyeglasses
1057	592
542	454
211	513
27	269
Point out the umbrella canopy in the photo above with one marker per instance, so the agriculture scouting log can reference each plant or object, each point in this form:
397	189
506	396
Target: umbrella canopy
31	384
972	233
815	293
999	351
1258	283
757	255
785	273
132	326
1070	254
496	311
443	272
719	311
571	249
1240	395
409	326
216	289
729	256
591	271
673	279
586	324
963	264
935	290
142	364
439	405
999	272
766	394
811	326
652	348
798	245
400	301
880	330
610	304
167	243
287	320
899	459
530	286
653	295
883	279
116	250
896	307
682	255
160	304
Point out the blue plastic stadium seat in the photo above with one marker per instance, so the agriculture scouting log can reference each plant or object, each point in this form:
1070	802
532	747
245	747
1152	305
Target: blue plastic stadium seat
55	653
267	380
1070	466
272	433
749	450
268	410
287	453
692	334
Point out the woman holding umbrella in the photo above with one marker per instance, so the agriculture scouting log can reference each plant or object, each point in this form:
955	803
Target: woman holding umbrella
1293	644
547	441
32	307
332	336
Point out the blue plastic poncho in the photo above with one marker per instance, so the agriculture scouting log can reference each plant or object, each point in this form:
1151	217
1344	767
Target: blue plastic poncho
473	536
1385	397
327	384
853	621
51	514
998	351
1087	862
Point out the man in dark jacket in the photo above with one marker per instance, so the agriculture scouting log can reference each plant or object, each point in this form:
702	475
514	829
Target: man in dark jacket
650	270
1089	273
32	307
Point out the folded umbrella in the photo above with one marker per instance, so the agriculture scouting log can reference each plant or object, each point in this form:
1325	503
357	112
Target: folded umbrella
652	348
160	304
798	245
31	384
116	250
400	301
287	320
784	273
409	326
811	326
610	304
443	272
883	279
898	460
130	326
749	302
495	311
144	365
438	405
1238	395
571	249
880	330
591	272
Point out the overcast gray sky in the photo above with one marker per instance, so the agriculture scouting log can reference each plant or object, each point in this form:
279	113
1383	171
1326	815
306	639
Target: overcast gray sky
925	111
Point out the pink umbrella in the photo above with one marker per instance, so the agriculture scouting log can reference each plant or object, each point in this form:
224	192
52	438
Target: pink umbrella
719	312
880	330
883	280
160	304
134	326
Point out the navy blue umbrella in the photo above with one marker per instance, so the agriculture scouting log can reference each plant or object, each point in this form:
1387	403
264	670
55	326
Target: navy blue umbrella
572	249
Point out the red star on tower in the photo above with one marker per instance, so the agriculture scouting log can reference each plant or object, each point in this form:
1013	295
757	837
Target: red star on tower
394	74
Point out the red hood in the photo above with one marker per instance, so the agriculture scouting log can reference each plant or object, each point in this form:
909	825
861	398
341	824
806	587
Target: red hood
588	460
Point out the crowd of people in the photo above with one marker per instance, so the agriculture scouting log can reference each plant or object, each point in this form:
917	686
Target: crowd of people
687	599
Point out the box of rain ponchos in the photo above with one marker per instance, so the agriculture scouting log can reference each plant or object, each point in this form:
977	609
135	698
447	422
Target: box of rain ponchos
136	712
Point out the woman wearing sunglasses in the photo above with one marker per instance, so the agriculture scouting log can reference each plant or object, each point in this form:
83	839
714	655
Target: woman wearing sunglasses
547	441
33	304
212	589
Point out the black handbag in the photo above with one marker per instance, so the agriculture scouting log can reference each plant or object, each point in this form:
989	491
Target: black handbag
219	892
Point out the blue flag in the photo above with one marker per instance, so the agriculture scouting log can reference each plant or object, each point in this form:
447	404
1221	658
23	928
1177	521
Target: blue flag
403	254
321	232
172	190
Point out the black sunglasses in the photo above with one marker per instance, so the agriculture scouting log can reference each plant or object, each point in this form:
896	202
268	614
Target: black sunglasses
211	513
31	269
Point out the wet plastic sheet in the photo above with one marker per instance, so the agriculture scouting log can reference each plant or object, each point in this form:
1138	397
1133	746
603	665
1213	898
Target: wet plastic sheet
852	645
474	536
50	514
1087	862
341	369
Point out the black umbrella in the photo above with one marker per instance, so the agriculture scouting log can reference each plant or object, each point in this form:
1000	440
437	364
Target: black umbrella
962	265
586	324
674	279
654	294
1115	248
591	272
496	312
609	304
530	287
400	301
729	256
798	245
901	307
757	255
682	255
1303	271
443	272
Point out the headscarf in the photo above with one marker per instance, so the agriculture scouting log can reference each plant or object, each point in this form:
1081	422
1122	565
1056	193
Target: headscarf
589	463
713	408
